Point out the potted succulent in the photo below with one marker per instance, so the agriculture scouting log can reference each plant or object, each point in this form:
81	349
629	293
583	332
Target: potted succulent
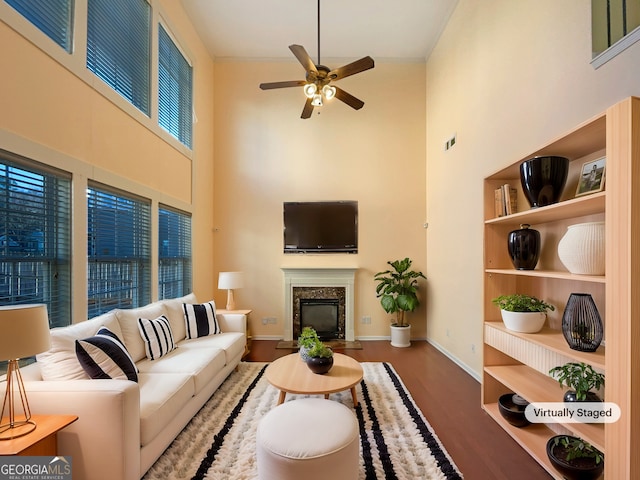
307	339
522	313
320	358
574	458
580	377
398	293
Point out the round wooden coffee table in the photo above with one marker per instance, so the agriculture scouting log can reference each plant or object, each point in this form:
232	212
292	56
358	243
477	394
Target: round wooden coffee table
290	374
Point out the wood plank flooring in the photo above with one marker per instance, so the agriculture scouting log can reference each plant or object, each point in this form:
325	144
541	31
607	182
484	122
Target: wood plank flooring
450	400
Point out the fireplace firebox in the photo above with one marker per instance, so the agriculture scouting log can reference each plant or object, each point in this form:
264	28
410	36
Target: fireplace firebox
322	314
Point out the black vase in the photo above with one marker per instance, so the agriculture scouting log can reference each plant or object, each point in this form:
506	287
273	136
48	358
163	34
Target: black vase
524	247
543	179
581	323
320	365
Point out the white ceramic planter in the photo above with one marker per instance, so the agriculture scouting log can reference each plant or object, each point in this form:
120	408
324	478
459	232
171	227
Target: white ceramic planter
400	336
581	249
523	322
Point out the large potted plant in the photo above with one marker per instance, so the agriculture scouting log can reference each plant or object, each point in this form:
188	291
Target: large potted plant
580	377
522	313
398	293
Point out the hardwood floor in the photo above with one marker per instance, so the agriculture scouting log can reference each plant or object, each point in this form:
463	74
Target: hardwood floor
450	400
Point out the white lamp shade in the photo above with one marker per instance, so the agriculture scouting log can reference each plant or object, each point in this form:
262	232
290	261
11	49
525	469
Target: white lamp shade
24	331
230	280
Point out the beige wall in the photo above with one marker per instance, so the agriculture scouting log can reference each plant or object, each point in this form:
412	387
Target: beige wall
56	117
507	77
265	154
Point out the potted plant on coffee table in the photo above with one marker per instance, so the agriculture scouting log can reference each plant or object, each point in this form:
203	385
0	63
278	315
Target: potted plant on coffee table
320	357
522	313
307	339
398	293
574	458
581	378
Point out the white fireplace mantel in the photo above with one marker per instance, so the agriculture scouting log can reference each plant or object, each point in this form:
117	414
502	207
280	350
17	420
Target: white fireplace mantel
319	277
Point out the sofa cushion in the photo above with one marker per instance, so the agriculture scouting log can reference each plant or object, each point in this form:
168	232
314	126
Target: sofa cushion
201	365
128	320
162	397
103	356
157	336
200	319
60	361
175	314
232	343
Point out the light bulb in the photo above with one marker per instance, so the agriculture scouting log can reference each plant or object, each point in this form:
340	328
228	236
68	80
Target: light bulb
310	89
329	92
317	100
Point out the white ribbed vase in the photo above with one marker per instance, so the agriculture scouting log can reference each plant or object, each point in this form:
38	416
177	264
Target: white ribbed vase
581	250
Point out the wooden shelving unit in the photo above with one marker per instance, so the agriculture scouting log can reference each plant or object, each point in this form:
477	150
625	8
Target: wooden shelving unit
516	362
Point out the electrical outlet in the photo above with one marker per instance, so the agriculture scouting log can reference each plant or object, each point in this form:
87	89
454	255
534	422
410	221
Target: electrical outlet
473	348
273	320
366	319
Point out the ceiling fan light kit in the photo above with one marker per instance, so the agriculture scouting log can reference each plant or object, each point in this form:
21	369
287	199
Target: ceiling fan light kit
316	86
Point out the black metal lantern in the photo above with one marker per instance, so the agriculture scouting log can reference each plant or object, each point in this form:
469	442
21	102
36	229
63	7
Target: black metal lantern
581	323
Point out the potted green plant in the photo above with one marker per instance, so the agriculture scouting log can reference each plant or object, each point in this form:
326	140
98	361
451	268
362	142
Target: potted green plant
320	357
307	339
522	313
398	293
574	458
581	378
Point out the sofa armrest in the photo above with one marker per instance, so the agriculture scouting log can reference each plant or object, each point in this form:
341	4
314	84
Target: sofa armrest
104	443
232	322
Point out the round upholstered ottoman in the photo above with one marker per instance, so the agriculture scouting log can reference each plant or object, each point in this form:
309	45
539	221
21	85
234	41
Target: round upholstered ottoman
310	439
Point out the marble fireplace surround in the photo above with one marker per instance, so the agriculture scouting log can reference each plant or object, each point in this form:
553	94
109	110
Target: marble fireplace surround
319	277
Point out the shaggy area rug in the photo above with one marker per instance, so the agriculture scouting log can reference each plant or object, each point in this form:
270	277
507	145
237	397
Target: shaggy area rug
396	441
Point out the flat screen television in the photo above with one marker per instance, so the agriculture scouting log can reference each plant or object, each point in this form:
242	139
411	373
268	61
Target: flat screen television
321	227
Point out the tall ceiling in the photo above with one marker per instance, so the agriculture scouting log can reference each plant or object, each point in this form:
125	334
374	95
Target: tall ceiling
401	30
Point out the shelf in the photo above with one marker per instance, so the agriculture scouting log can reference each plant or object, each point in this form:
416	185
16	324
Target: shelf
575	207
554	340
536	387
548	274
532	438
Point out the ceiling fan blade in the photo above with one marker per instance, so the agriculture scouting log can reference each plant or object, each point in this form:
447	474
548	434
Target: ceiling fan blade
292	83
307	110
304	58
349	99
358	66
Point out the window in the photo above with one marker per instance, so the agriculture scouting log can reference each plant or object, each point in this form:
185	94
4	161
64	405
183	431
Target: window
174	237
54	19
175	89
35	246
118	47
119	244
614	28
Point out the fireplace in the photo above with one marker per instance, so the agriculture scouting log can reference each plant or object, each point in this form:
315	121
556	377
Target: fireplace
326	287
323	315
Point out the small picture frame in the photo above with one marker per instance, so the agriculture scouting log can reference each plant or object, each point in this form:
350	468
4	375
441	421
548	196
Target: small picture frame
591	178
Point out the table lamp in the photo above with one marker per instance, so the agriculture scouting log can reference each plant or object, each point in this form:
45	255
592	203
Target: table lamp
24	331
230	281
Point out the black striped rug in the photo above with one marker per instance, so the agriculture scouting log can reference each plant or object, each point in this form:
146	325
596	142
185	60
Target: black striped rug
396	441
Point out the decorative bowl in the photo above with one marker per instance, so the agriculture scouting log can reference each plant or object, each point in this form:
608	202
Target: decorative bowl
320	365
513	411
523	322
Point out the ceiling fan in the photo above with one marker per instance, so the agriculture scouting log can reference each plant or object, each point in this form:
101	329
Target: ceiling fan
317	84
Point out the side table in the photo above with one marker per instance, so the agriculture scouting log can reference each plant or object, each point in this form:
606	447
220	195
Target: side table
247	347
42	442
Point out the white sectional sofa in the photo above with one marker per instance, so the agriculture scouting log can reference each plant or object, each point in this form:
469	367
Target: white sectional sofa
124	426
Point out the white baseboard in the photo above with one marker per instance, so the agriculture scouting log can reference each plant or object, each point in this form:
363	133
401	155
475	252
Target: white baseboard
455	360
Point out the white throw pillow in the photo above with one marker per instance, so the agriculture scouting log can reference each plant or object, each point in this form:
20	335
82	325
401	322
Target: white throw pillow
200	319
157	336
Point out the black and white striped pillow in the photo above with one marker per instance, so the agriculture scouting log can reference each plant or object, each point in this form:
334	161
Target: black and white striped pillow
157	336
104	356
200	319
